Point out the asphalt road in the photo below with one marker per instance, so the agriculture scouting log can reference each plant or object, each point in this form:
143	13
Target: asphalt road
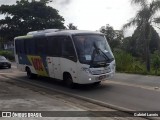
133	92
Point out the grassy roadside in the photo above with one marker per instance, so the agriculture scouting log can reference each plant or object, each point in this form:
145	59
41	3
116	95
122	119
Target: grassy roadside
126	63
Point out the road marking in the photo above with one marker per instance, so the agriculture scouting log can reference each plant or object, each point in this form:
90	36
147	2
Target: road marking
135	85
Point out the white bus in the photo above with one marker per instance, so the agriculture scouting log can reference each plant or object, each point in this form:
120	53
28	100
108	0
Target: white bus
74	56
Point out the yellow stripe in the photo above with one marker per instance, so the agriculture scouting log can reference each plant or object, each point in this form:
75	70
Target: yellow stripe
37	63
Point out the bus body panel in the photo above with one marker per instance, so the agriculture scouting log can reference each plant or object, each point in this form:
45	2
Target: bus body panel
50	67
70	67
54	67
57	68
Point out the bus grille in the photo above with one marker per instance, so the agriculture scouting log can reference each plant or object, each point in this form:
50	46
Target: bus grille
98	72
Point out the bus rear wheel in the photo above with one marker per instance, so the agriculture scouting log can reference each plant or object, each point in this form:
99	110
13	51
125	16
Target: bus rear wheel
30	75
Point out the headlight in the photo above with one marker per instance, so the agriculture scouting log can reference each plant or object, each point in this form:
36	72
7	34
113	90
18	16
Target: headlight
87	70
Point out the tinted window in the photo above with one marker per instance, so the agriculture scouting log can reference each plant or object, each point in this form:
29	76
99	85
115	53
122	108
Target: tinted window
68	49
16	46
41	45
30	46
20	46
54	46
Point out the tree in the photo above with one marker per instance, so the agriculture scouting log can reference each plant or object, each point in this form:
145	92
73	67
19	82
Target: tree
71	26
154	43
28	16
108	31
129	45
114	37
135	44
156	61
145	18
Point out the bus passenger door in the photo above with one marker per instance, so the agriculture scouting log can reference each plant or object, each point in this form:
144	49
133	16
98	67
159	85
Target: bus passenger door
50	65
57	68
54	50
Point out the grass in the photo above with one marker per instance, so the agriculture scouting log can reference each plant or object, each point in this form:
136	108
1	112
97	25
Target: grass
126	63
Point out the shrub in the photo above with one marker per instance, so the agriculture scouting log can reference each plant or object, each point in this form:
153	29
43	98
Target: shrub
156	61
8	54
124	61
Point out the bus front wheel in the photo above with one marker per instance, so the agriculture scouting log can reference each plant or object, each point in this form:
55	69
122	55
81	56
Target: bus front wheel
68	81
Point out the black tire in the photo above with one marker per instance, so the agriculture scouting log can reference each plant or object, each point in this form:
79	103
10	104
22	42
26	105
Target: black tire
68	81
30	75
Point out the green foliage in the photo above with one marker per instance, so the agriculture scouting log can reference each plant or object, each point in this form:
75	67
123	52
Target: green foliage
113	37
8	54
144	19
129	45
28	16
108	31
137	43
72	27
156	61
125	62
154	43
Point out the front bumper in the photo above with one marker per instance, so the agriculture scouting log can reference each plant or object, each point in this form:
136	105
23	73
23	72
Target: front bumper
88	79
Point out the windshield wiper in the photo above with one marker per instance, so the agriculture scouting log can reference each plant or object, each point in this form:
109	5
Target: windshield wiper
100	52
98	49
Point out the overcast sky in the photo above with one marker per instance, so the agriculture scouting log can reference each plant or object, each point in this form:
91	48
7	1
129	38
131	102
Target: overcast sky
92	14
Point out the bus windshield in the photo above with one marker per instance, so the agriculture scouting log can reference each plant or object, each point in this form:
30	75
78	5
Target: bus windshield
92	48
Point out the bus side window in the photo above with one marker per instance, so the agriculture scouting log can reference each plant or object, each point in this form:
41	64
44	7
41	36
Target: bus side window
17	46
53	46
20	46
68	49
41	45
30	46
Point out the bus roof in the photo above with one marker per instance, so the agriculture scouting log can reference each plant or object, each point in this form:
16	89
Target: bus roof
23	37
52	32
72	32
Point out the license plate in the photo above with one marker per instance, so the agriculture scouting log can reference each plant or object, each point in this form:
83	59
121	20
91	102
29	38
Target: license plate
102	77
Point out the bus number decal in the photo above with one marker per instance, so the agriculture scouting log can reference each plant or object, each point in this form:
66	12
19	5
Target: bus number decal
37	63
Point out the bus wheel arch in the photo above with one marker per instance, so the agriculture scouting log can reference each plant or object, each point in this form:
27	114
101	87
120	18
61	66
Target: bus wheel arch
67	78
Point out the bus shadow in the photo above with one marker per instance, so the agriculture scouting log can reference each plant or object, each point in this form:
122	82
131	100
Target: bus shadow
78	87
